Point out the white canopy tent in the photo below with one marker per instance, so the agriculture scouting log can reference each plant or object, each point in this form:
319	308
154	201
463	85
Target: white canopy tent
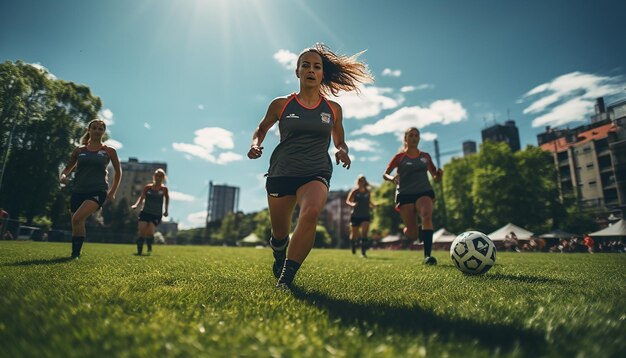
443	235
390	238
617	229
251	240
501	233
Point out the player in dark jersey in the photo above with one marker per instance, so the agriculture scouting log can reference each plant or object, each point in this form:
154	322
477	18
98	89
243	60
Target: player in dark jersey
300	167
155	195
91	188
360	201
413	190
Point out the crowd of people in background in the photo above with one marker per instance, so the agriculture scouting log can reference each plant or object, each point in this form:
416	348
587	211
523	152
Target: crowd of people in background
575	243
587	244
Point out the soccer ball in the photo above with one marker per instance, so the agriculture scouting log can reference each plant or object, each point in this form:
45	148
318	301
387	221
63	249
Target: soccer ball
473	252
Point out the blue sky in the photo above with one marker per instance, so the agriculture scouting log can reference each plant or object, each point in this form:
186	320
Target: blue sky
187	81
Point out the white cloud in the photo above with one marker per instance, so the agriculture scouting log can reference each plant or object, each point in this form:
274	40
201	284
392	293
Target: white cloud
392	73
423	86
178	196
362	145
445	112
42	68
114	144
194	220
568	98
106	115
373	158
205	143
147	125
370	102
201	107
286	58
428	136
424	136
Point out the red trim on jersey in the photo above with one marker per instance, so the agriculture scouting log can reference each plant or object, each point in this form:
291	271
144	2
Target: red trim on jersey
331	109
289	99
395	161
302	104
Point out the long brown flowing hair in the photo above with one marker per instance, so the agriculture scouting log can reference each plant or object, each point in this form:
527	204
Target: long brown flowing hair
341	72
84	140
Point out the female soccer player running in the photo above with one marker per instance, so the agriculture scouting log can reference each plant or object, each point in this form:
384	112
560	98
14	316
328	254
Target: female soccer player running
359	200
300	167
413	190
89	191
150	216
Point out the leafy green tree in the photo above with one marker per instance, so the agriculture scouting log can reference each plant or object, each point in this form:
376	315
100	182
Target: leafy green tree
457	182
40	118
234	227
577	220
538	199
263	227
322	237
119	217
192	236
494	187
386	219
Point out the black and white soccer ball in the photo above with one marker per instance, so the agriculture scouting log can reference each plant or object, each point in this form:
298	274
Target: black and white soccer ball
473	252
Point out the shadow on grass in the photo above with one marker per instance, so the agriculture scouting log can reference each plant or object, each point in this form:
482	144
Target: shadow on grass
523	278
56	260
378	258
412	320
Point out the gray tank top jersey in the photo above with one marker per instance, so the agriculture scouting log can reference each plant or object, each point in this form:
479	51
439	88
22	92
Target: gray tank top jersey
91	171
413	173
153	203
362	208
304	140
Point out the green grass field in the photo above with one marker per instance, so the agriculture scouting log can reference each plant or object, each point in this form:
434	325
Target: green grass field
215	301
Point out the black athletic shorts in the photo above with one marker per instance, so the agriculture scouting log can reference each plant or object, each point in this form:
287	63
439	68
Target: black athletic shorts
403	199
358	221
151	218
77	199
282	186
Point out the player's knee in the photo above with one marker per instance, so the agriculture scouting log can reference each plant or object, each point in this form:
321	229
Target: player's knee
77	220
310	214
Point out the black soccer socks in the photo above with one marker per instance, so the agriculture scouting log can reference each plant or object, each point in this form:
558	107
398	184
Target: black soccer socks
77	245
427	238
279	250
363	246
288	274
139	242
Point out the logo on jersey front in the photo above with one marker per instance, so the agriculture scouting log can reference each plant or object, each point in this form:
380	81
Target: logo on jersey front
424	160
292	116
325	117
102	153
